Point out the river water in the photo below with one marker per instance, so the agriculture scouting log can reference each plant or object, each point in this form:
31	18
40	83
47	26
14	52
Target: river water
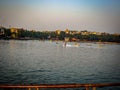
46	62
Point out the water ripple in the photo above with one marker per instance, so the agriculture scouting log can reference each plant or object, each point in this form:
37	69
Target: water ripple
40	70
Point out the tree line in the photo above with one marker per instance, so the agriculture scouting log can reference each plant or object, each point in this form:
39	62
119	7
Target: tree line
52	35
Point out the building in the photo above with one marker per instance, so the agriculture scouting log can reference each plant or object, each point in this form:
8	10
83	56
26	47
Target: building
2	30
94	33
85	32
58	32
67	31
14	32
74	32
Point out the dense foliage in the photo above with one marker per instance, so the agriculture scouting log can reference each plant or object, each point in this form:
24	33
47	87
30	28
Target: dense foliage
52	35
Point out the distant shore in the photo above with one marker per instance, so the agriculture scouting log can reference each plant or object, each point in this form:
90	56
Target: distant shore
95	42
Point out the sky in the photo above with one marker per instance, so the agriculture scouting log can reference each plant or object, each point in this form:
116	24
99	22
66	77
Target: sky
39	15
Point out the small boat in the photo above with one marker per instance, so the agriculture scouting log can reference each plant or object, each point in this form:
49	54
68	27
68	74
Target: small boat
70	45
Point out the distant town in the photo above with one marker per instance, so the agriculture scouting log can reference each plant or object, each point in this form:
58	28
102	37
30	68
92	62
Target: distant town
73	35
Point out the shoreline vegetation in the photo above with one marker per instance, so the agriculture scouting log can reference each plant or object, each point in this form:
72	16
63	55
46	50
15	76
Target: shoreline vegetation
58	35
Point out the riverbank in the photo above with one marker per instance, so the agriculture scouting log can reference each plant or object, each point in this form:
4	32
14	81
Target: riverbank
95	42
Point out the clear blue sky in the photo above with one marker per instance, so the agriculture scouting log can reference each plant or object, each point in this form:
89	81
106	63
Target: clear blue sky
91	15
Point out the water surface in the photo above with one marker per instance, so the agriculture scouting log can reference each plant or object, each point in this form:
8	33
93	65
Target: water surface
45	62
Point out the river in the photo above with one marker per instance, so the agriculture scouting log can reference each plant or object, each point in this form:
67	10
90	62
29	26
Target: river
46	62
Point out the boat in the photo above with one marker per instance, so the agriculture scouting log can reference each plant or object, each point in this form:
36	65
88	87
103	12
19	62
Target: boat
70	45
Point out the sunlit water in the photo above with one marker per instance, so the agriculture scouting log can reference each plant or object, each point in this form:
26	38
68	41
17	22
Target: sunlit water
45	62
